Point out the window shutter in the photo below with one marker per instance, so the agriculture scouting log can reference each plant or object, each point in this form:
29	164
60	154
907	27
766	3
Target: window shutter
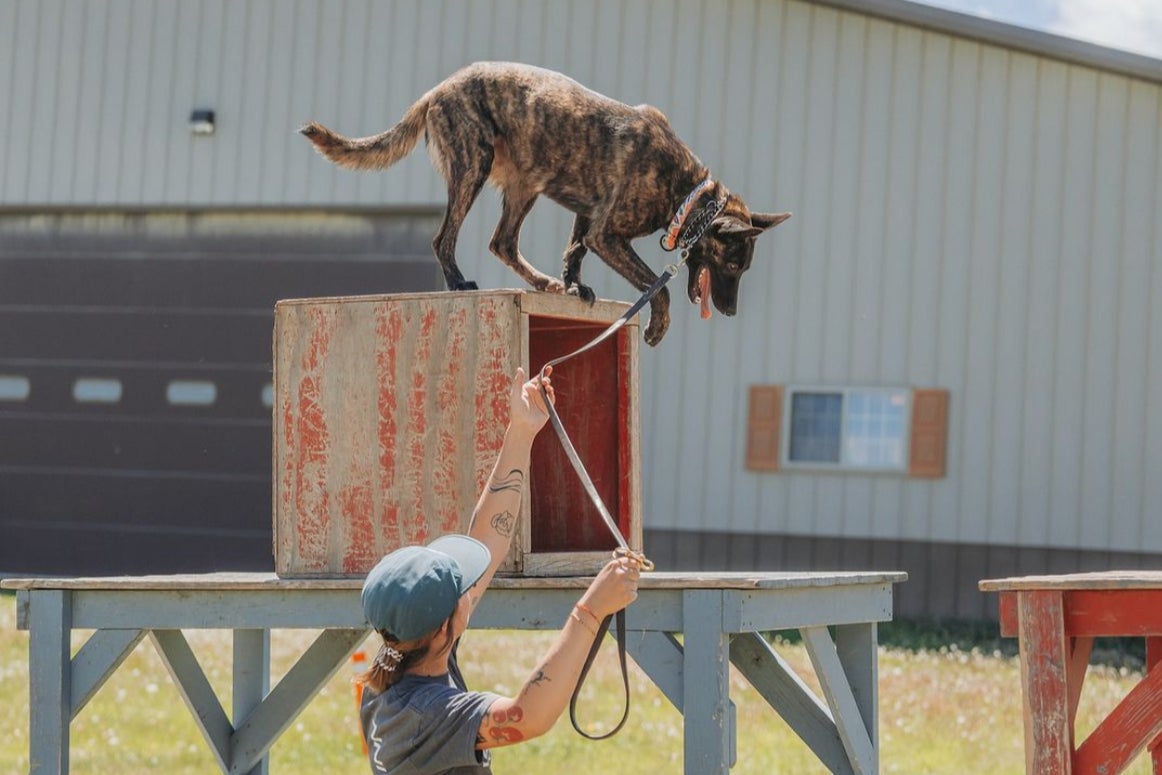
929	433
764	416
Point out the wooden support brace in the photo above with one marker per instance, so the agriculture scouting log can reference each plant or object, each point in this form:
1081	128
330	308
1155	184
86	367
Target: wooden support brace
258	732
778	684
1126	731
1079	651
196	691
660	655
102	654
845	709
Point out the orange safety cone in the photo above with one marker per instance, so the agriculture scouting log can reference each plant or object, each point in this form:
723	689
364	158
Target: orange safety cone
358	666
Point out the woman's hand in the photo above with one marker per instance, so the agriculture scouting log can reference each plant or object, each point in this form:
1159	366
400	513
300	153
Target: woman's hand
527	410
614	588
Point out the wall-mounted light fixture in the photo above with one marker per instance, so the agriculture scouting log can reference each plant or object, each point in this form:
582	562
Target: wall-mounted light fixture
202	122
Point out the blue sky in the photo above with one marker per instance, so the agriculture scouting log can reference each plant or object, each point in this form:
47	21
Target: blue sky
1130	25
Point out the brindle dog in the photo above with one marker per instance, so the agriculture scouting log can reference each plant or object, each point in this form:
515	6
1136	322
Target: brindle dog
621	169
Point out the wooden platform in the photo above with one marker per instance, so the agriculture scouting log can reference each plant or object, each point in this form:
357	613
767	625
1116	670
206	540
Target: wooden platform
1056	619
718	616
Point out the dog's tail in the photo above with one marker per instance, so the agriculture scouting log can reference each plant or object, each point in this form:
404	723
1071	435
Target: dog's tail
371	153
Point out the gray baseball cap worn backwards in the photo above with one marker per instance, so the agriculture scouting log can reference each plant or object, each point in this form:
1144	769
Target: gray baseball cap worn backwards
414	589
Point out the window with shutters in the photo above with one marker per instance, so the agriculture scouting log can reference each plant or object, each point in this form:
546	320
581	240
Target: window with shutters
860	429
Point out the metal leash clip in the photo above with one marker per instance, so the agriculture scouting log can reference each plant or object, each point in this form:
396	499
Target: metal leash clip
645	562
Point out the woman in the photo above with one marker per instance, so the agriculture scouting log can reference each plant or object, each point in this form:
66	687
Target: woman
418	717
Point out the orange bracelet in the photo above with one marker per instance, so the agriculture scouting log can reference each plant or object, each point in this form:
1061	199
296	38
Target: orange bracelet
589	611
573	615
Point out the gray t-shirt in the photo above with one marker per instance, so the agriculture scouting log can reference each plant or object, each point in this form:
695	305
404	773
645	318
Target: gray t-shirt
426	726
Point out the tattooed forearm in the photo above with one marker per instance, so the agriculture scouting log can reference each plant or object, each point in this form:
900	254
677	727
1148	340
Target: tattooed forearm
513	480
538	678
503	523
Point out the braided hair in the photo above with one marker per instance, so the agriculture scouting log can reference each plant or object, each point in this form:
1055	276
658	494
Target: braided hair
396	657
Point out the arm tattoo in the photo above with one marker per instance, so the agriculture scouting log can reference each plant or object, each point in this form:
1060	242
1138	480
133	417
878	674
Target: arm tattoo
501	730
503	523
513	480
538	678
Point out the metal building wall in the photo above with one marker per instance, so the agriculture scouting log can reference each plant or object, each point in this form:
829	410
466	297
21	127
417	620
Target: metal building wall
967	216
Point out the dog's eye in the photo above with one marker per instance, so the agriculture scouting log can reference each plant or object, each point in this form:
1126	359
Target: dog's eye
733	266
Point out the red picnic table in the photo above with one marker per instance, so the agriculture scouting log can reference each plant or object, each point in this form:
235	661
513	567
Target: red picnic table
1056	619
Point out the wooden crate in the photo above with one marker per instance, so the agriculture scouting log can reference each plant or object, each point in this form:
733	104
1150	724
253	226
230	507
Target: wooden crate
389	412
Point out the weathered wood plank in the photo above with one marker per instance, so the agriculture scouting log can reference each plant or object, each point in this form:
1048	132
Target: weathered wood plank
191	682
1044	657
50	682
1153	660
251	683
708	742
776	681
257	733
1126	731
1116	579
845	709
269	581
1079	651
102	654
660	655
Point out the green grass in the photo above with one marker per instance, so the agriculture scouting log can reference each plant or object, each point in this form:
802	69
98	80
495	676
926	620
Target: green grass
948	706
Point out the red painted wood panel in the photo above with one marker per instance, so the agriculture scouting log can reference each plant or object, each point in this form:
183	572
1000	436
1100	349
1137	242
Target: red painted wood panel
589	402
1008	615
1113	612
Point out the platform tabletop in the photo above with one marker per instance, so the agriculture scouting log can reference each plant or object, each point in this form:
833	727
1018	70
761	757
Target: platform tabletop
1114	579
268	581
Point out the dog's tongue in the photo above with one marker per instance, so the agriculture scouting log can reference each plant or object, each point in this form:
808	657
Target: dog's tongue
704	291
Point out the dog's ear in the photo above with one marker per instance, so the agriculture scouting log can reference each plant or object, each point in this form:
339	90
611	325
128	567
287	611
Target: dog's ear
766	221
734	228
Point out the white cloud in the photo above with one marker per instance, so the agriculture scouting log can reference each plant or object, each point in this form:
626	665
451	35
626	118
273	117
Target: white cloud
1132	25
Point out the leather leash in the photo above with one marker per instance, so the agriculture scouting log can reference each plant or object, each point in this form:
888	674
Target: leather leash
680	235
567	444
623	545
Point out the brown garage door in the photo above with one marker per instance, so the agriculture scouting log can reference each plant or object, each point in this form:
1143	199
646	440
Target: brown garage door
135	376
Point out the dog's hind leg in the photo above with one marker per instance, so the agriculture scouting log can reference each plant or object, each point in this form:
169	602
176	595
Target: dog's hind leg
573	255
464	158
505	240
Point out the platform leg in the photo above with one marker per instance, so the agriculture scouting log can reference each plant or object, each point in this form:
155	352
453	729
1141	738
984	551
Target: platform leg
1153	659
50	681
1044	664
856	645
709	743
251	680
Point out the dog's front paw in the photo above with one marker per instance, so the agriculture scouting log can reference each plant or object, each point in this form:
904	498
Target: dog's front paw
467	285
659	324
551	285
583	292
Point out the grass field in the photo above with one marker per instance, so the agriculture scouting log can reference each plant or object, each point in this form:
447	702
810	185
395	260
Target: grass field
943	711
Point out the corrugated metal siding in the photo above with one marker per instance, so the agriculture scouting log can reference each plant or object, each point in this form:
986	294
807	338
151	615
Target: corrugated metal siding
967	216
